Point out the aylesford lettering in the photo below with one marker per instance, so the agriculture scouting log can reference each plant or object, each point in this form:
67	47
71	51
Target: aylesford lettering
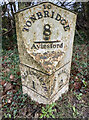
44	14
46	46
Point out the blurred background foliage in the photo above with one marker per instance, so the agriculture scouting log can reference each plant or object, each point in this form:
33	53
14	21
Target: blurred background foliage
8	19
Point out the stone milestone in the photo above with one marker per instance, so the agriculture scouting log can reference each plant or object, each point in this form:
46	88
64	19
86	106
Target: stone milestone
45	34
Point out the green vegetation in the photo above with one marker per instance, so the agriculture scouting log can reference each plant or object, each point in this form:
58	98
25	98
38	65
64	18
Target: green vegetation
47	112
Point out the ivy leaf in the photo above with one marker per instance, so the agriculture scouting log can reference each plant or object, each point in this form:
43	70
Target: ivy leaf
48	116
74	108
41	116
4	29
53	116
9	115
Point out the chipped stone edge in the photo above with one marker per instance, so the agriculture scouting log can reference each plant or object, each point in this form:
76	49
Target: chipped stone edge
37	96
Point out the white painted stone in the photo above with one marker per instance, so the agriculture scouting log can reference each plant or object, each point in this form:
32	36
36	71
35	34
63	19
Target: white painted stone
45	46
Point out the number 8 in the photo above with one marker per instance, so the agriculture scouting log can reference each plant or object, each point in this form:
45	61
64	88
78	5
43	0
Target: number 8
47	31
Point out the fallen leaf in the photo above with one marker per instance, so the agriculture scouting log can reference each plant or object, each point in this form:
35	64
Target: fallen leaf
3	82
9	101
18	73
11	77
77	85
8	87
8	70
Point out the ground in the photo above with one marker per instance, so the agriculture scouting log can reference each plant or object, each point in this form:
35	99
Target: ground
73	104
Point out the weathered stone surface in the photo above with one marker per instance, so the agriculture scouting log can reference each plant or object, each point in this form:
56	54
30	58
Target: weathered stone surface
44	85
45	41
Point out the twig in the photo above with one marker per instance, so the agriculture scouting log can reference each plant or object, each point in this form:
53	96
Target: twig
67	4
6	32
29	115
79	35
81	39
